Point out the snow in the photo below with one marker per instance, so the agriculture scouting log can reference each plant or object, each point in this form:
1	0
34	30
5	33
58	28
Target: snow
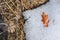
35	29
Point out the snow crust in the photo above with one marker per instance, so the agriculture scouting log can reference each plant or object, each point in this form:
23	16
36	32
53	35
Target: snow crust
35	29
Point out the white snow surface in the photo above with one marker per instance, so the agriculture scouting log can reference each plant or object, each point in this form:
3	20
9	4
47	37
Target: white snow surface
35	29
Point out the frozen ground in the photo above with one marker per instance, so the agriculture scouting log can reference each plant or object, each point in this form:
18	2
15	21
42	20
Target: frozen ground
35	29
